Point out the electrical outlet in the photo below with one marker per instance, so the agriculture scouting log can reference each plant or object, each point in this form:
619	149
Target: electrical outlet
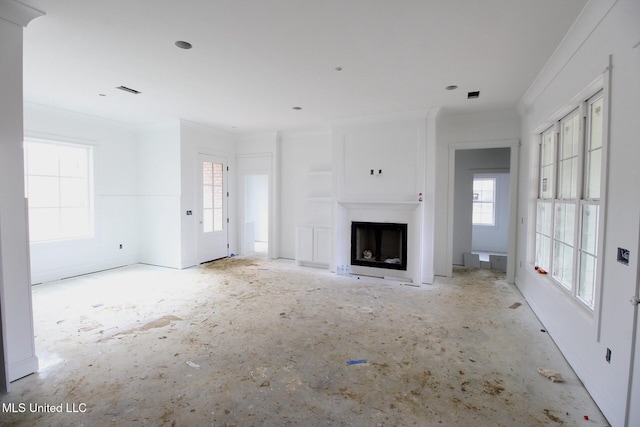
607	357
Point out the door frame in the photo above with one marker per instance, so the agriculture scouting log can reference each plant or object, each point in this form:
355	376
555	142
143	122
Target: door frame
514	145
199	204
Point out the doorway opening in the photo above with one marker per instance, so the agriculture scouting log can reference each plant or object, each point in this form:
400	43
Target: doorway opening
482	198
256	214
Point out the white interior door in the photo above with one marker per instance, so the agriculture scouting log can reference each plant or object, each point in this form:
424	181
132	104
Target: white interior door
212	208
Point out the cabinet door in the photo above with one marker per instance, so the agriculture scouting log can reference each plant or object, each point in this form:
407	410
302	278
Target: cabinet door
305	244
322	245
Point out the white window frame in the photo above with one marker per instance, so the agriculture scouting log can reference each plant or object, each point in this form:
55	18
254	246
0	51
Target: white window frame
494	179
84	199
548	241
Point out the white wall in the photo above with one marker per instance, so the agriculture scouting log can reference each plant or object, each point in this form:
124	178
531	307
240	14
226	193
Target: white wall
115	194
465	236
301	153
479	128
604	28
158	154
395	147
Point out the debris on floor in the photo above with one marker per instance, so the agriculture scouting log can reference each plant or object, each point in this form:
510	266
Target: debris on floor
356	362
193	365
555	377
515	305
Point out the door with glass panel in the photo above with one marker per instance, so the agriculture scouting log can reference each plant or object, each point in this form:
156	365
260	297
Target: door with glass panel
212	208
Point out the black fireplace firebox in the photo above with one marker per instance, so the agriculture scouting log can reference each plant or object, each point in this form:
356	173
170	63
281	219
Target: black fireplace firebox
379	244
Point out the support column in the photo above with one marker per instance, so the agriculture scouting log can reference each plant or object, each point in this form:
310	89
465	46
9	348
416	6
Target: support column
16	315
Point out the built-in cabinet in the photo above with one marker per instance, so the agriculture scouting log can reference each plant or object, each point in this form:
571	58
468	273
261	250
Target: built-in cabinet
313	238
313	245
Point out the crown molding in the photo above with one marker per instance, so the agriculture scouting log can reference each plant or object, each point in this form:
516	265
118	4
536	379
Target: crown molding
18	13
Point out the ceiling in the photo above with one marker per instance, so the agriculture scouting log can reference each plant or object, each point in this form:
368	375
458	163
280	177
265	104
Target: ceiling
252	61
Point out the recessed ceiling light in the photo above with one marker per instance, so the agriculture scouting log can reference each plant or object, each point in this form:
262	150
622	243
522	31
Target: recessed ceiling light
183	44
297	108
338	68
473	95
452	87
101	94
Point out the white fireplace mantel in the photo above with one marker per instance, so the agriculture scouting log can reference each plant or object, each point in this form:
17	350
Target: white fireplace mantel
393	205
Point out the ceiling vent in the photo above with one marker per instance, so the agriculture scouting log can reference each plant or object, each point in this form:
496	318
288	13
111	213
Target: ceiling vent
473	95
128	89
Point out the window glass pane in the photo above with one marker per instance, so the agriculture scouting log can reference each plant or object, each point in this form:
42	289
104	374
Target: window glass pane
565	222
546	164
58	188
563	243
543	218
207	222
44	191
543	247
596	122
568	178
589	241
594	149
73	192
483	201
570	137
73	161
568	161
546	182
586	287
42	158
207	173
593	179
207	196
563	264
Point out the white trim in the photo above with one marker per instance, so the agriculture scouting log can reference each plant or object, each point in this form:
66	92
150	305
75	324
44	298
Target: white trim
18	13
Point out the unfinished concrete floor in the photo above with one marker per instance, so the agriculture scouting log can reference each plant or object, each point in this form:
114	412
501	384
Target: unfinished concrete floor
251	342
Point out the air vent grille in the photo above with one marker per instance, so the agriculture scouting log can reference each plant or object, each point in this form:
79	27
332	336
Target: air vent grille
473	95
128	89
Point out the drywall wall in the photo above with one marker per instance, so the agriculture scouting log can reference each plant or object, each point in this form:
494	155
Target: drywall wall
481	129
302	154
606	30
115	194
158	165
380	168
487	238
